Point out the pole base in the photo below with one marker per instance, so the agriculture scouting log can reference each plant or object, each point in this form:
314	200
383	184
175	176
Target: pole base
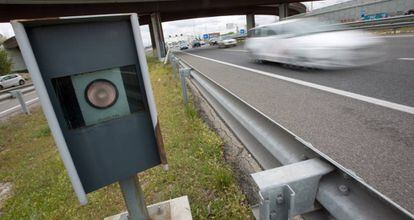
174	209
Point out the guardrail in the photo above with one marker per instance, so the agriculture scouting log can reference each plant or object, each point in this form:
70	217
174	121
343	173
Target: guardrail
18	94
385	23
9	93
15	88
303	175
393	23
389	20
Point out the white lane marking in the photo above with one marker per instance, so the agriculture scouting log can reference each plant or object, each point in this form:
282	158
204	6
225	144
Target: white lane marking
18	106
375	101
406	58
235	50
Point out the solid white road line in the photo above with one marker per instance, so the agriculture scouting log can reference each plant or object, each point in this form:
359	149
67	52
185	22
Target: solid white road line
375	101
406	58
18	106
235	50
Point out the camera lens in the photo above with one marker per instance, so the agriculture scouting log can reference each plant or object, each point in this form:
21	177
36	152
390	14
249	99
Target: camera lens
101	93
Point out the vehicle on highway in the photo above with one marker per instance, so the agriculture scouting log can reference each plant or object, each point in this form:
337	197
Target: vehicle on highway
196	44
184	46
409	12
310	43
226	41
213	41
11	80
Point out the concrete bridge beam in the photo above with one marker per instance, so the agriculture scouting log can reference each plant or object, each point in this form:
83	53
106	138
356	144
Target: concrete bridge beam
158	35
250	22
283	11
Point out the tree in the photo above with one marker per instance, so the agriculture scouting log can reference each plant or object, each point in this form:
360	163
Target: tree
5	63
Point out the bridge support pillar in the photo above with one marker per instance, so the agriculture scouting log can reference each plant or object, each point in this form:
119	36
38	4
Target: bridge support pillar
283	11
250	22
152	35
157	33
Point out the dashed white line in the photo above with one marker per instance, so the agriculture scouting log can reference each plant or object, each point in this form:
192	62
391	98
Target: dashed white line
375	101
406	58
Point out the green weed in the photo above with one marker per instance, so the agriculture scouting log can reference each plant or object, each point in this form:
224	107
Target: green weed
41	188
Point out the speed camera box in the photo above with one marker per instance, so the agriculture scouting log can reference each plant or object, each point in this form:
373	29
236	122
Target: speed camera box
94	74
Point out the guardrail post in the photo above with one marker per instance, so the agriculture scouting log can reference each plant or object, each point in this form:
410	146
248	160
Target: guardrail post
166	56
18	95
184	72
289	190
175	65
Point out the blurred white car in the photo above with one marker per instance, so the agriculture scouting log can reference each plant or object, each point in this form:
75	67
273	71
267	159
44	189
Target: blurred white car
226	41
10	80
309	43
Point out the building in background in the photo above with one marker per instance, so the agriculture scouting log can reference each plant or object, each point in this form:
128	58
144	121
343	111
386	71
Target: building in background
232	28
178	39
356	10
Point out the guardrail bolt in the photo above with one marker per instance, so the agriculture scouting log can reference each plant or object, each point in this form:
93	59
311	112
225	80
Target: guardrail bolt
279	199
343	189
159	210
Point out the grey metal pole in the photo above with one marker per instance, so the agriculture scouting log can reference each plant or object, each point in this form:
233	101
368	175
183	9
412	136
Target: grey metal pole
134	198
183	73
18	95
176	66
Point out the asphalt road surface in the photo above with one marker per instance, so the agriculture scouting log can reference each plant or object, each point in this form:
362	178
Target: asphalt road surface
371	136
391	80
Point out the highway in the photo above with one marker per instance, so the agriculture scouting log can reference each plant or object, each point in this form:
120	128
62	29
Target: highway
362	118
388	80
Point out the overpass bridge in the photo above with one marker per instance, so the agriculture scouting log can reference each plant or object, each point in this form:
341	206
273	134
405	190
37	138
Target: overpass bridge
151	12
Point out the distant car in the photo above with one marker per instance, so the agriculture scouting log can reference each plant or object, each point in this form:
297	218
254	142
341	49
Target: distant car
310	43
196	44
213	41
183	46
11	80
226	41
409	12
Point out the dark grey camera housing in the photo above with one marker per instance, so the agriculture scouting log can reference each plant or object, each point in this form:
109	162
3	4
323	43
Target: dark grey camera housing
64	56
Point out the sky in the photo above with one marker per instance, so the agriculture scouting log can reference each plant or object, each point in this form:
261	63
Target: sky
200	25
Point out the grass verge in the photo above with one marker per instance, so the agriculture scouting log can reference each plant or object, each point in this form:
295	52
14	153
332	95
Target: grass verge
41	188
